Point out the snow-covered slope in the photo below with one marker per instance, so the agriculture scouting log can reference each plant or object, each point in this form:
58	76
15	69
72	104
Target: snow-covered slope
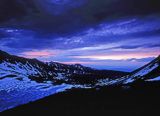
24	80
148	72
15	92
17	67
13	66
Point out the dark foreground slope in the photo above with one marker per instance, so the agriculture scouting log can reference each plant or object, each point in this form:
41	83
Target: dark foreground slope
136	100
136	94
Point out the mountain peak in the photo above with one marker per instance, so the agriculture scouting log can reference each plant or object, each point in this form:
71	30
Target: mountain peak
158	57
78	65
3	53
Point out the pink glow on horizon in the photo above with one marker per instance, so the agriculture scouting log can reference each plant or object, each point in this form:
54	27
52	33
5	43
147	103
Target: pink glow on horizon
119	56
77	62
38	54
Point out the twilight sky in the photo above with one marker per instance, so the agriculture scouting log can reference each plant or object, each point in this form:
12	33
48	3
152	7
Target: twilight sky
104	34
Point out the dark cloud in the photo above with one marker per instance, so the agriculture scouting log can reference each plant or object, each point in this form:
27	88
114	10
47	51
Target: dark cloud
2	35
15	9
153	45
125	29
32	14
82	28
137	46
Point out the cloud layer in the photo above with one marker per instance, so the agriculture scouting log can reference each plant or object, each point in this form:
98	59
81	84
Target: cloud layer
89	32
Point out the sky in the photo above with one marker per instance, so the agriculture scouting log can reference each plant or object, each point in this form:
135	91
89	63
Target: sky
104	34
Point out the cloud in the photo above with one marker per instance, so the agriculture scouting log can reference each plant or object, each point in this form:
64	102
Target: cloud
84	31
39	54
68	16
149	45
119	54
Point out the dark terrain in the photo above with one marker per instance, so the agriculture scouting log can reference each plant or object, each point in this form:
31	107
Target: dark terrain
138	100
110	93
76	74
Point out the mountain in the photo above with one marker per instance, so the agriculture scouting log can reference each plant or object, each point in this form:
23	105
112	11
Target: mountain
149	72
136	94
57	73
25	80
14	66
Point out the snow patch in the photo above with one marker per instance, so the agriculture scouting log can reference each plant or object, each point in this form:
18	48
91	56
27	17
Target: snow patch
146	70
106	82
141	73
155	79
14	92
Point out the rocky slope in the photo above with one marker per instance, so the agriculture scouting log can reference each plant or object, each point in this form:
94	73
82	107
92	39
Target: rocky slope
149	72
18	67
24	80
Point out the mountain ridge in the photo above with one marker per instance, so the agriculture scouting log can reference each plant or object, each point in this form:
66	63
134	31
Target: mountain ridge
57	73
30	80
50	71
146	72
